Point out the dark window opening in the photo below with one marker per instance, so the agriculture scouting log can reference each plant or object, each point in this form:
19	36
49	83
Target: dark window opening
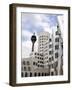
45	74
33	63
50	52
50	46
52	73
28	63
24	68
57	33
50	59
38	74
50	40
35	74
26	74
30	74
56	39
56	47
56	55
22	74
23	62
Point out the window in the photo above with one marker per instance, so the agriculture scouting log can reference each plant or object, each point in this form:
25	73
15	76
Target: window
38	61
38	74
22	74
50	52
33	63
26	74
29	68
38	65
24	68
50	59
42	58
45	74
56	39
56	55
50	40
42	74
56	47
28	63
62	44
38	57
57	33
30	74
35	53
38	54
52	73
35	74
50	46
23	62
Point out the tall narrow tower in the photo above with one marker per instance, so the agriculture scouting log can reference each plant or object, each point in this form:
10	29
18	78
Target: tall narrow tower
33	39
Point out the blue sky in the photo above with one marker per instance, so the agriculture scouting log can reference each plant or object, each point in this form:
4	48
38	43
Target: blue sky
31	23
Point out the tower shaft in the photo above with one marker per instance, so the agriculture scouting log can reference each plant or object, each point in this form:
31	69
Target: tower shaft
32	47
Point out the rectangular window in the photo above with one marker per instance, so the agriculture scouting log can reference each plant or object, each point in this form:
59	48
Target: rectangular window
50	40
56	47
28	63
50	59
50	46
50	52
29	68
57	33
56	39
56	55
24	68
33	63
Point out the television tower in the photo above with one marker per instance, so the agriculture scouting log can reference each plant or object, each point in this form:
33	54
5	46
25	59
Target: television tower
33	39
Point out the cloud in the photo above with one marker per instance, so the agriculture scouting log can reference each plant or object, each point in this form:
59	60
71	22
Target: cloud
26	35
35	23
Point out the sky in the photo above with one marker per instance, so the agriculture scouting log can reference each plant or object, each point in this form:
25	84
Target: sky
36	23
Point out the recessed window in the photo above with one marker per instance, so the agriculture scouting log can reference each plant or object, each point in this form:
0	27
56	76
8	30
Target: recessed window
57	33
35	74
45	74
29	68
42	74
52	73
38	65
42	58
50	40
33	63
56	39
38	54
38	74
24	68
26	74
30	74
50	46
56	55
35	53
28	63
22	75
56	47
50	59
50	52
